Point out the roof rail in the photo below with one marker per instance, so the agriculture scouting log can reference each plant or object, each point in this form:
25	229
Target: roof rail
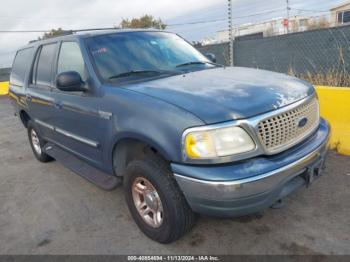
95	29
70	32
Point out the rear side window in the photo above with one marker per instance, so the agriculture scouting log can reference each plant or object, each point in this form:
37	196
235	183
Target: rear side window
21	66
44	64
71	59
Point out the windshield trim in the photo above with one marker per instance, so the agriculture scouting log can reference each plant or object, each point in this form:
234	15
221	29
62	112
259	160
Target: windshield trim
129	32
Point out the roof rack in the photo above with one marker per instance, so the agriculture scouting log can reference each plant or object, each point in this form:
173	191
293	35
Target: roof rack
95	29
70	32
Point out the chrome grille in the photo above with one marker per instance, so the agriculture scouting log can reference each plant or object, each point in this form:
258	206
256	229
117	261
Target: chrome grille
283	130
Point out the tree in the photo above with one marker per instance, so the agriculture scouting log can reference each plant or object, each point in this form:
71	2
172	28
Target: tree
53	33
146	21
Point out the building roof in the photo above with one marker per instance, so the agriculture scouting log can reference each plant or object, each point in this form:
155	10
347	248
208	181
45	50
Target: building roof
340	5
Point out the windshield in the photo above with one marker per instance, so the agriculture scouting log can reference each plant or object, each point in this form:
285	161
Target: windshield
143	54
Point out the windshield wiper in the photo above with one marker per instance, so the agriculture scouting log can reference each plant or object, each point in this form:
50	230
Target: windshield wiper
192	63
136	72
197	63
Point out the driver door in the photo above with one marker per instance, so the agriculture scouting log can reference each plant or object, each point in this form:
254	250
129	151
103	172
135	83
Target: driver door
78	126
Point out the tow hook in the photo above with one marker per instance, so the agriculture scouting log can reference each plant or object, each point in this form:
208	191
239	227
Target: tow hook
278	204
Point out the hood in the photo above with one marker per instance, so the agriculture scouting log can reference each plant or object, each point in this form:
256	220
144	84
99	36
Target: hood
223	94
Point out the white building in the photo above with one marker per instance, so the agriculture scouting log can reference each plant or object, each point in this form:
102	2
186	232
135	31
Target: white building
340	14
267	28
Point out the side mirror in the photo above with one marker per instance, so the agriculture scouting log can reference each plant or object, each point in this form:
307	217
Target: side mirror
211	57
70	81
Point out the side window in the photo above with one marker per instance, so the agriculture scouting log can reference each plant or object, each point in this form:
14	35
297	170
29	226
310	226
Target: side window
44	64
340	17
346	17
343	17
21	66
71	59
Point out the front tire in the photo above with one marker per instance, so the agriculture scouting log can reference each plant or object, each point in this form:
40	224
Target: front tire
155	200
37	144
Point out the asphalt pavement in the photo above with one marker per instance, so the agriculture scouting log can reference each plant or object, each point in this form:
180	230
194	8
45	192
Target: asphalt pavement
46	209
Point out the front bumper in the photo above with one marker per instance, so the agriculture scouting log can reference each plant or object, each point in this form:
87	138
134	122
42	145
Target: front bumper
253	185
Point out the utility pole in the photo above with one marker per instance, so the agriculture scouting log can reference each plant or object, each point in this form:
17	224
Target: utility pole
230	32
288	15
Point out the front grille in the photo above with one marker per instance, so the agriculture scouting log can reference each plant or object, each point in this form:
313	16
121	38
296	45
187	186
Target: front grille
283	130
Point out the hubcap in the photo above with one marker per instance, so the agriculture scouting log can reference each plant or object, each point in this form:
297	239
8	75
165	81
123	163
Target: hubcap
147	202
35	142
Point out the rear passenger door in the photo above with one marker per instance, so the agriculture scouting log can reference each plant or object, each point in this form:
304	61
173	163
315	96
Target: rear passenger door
77	122
40	101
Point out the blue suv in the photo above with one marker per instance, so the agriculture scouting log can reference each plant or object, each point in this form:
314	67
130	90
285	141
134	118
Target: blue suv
184	135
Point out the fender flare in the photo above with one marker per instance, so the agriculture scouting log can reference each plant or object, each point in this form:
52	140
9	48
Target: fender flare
134	136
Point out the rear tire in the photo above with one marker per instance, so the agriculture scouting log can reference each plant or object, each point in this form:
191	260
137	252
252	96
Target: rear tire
37	143
176	217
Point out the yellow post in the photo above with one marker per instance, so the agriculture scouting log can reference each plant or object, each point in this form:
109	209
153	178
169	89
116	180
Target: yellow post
335	107
4	88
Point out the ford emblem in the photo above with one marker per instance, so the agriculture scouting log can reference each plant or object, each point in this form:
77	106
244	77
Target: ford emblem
302	122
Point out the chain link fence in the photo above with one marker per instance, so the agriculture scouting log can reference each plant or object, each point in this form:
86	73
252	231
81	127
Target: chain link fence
5	74
321	56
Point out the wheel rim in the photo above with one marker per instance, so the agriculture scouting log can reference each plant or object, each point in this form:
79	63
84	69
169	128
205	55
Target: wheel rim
35	141
147	202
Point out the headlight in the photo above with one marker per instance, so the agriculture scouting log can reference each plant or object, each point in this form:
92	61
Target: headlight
213	143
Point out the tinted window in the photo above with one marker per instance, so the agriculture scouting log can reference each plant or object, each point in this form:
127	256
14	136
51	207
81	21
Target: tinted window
44	66
21	66
71	59
346	17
